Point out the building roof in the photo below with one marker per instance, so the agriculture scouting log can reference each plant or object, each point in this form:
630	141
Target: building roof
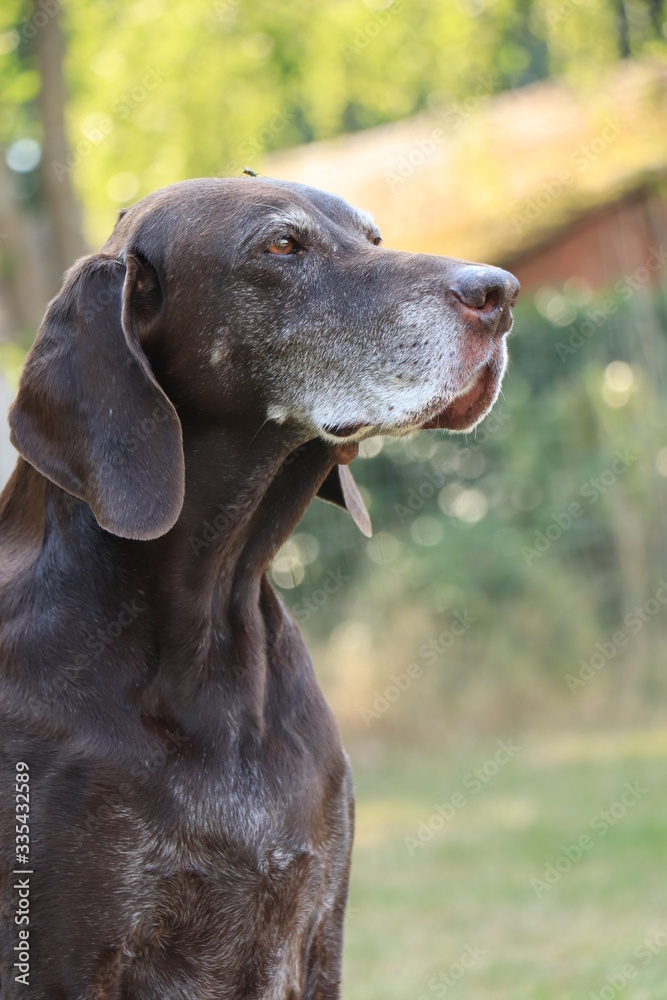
491	177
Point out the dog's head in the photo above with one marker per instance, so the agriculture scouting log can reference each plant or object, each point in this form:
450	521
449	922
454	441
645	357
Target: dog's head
255	300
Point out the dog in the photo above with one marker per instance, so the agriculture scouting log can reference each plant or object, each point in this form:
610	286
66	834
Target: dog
177	809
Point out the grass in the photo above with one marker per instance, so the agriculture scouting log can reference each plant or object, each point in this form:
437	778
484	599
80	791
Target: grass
412	916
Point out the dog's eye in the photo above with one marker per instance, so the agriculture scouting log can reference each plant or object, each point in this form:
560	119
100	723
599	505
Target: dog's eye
284	245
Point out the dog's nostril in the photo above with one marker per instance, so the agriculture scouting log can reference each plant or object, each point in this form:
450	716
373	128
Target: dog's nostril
480	296
487	290
492	301
471	296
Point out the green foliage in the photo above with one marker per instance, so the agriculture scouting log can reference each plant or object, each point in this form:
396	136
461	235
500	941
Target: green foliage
166	89
496	533
160	90
412	916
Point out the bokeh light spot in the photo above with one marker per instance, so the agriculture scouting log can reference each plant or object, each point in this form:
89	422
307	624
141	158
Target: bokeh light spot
109	62
123	187
618	382
470	506
426	531
257	46
23	155
383	548
371	447
9	41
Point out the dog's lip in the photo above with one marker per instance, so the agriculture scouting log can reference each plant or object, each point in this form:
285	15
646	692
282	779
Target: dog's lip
346	431
460	413
465	408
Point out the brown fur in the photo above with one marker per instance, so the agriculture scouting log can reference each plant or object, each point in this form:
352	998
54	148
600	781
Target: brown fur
191	808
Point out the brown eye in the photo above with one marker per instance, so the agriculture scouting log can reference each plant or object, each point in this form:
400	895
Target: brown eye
284	245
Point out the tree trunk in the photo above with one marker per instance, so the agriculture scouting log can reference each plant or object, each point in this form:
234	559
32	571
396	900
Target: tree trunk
18	278
62	209
656	11
624	48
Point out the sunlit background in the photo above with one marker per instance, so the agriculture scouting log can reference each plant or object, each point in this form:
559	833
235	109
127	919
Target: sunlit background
496	653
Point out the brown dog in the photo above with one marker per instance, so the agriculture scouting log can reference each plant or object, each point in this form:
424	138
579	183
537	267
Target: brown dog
182	805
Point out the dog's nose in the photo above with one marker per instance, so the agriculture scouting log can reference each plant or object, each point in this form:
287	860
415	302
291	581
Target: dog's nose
487	291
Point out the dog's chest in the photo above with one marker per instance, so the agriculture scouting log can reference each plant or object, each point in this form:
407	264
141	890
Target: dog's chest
200	805
204	820
236	871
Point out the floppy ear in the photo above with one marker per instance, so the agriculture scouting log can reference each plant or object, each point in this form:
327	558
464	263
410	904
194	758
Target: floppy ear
340	488
89	414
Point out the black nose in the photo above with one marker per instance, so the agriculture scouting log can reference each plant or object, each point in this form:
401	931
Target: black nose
489	291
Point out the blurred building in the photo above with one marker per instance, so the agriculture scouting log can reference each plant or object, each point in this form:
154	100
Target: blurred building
625	239
561	184
551	180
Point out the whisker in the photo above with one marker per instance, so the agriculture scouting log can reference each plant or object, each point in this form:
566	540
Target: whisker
257	432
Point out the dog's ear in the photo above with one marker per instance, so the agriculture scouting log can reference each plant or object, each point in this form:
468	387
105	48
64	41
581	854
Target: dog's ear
340	488
89	413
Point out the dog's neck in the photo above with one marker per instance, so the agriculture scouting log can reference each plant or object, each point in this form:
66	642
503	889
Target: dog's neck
203	584
246	491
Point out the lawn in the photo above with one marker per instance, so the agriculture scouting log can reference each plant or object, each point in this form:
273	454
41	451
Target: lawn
458	914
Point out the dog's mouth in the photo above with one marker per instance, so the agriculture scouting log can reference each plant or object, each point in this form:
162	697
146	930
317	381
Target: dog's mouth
346	431
471	403
460	414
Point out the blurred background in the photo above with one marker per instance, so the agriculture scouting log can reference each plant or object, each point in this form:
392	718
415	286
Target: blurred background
496	652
